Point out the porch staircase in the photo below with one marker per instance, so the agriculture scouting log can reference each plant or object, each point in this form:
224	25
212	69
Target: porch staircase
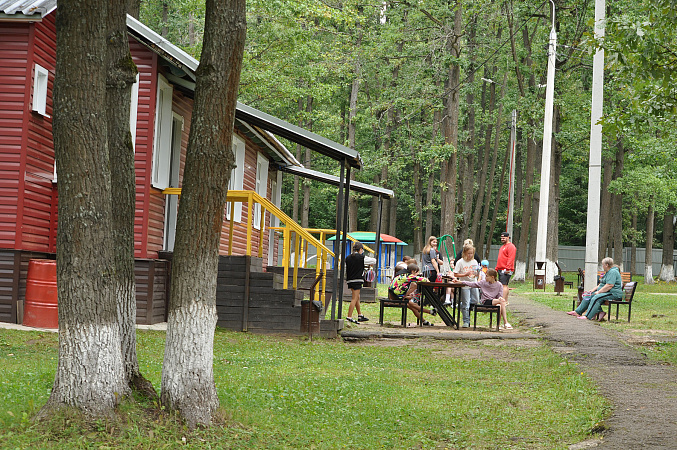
249	299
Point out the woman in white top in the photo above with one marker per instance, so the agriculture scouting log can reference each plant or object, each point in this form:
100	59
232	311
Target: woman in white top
467	269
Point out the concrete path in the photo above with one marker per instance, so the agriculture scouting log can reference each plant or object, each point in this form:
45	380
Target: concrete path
643	392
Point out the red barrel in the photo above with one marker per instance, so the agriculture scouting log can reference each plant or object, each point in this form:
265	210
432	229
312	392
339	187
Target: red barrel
40	307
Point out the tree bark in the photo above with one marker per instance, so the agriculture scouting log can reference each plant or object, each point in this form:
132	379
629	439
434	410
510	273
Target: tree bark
90	372
617	208
667	267
121	76
605	210
187	374
633	245
450	122
478	237
552	241
648	247
307	163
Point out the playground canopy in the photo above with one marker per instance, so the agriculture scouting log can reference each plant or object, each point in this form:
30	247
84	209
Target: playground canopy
391	250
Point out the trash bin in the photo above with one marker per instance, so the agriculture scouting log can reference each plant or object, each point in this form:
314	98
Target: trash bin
40	307
559	283
310	316
539	275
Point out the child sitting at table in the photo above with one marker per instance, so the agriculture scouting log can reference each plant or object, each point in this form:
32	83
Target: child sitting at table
490	293
404	287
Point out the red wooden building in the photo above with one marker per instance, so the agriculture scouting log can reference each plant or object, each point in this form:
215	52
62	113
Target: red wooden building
160	118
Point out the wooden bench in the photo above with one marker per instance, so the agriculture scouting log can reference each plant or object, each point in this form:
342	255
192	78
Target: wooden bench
629	289
393	301
491	309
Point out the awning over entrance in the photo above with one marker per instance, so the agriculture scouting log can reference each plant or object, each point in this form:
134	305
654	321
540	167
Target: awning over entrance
334	180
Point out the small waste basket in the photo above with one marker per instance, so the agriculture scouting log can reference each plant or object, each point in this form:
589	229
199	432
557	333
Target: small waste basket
310	316
539	275
559	283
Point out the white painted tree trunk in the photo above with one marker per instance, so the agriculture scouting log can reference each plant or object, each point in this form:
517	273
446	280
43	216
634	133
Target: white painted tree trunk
520	271
667	273
89	373
188	370
648	274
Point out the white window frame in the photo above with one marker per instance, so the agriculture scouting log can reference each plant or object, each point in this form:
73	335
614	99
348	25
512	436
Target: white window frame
261	186
236	182
133	110
40	85
162	142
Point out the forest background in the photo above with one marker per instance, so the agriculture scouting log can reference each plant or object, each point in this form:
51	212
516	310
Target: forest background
424	90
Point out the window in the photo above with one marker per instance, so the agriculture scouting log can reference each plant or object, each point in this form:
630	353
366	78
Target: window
134	109
162	144
40	90
237	177
261	186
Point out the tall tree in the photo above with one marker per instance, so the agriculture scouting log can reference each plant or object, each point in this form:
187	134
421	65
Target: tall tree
187	373
120	78
89	374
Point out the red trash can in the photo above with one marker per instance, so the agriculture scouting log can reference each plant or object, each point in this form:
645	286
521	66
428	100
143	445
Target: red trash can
40	307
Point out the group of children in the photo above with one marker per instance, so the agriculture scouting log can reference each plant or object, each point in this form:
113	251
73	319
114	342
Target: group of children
480	285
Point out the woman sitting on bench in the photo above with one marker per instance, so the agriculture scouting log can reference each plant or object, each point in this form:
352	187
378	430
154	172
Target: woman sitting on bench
490	293
610	288
404	288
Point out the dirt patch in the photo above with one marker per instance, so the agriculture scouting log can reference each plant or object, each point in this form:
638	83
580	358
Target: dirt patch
485	350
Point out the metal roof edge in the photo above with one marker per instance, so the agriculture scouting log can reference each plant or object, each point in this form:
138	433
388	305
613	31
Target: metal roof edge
312	140
334	180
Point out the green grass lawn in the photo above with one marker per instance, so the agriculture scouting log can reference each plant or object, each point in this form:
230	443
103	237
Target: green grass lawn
654	313
288	392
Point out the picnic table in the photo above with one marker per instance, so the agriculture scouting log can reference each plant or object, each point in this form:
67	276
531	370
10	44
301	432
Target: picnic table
432	293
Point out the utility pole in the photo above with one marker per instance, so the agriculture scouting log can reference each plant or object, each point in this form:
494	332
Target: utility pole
511	189
541	235
595	167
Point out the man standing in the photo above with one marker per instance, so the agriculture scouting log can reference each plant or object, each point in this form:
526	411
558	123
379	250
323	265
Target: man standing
505	264
355	263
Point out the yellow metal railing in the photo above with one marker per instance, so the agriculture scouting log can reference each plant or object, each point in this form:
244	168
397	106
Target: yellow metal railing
290	226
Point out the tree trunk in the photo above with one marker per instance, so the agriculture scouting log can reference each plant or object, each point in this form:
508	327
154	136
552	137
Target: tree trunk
187	374
450	122
437	119
519	179
478	237
374	208
617	208
648	247
496	203
90	372
121	76
633	245
552	241
605	210
307	163
525	230
535	205
133	8
667	269
418	198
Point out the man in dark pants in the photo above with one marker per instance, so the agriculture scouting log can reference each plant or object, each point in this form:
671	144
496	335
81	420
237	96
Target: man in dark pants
505	264
355	263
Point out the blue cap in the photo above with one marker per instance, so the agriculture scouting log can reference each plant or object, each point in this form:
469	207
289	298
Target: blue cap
485	262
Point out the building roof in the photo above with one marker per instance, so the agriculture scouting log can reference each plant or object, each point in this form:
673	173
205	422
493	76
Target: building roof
334	180
369	237
26	9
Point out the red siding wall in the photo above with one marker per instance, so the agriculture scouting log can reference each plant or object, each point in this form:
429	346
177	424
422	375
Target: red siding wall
14	44
38	190
146	62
